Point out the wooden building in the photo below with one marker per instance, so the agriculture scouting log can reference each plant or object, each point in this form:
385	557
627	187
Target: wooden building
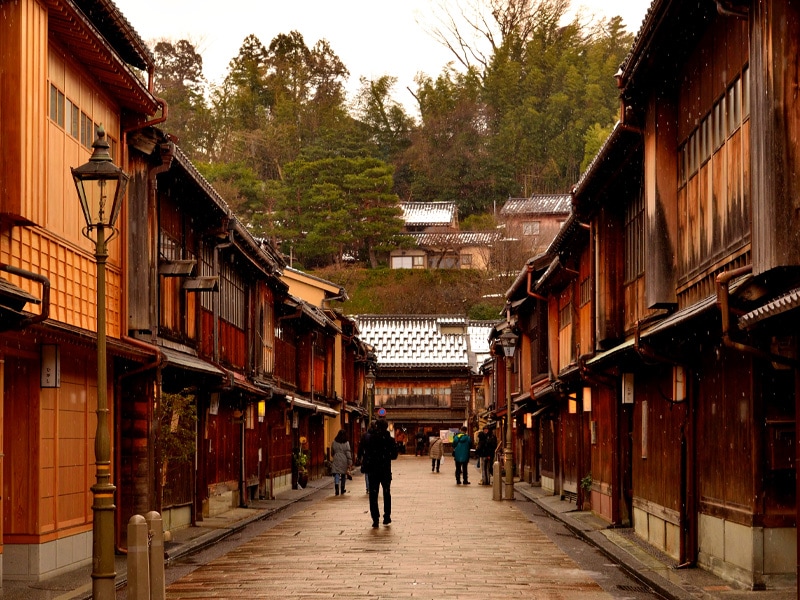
424	374
534	221
65	68
217	374
670	389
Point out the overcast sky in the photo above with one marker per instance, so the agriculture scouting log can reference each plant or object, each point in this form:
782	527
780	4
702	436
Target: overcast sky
371	37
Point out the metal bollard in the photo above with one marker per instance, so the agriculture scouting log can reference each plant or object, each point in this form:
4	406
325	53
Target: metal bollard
156	525
138	561
496	481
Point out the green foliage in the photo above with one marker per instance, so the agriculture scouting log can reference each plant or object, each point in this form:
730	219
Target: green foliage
176	418
301	460
336	206
323	178
479	222
418	291
179	80
483	311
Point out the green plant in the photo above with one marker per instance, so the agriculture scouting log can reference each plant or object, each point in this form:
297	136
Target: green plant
301	459
586	483
176	418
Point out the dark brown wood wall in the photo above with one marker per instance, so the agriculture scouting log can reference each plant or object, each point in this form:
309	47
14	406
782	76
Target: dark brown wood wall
775	156
609	277
223	442
726	456
657	476
232	345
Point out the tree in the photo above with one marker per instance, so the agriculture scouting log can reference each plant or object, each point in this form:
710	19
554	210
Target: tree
386	121
179	80
449	157
335	206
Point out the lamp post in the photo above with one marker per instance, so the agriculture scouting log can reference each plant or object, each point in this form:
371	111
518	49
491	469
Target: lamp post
508	340
370	379
101	186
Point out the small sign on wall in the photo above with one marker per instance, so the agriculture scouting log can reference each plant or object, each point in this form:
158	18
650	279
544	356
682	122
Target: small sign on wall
51	366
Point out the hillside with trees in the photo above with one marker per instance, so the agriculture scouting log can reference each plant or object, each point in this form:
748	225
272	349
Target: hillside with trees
418	291
520	111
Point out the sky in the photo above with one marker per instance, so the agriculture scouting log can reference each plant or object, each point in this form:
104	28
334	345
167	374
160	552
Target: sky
372	37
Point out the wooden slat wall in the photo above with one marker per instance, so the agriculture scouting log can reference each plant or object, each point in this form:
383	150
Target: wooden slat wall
725	461
232	345
714	205
657	477
49	445
72	275
23	52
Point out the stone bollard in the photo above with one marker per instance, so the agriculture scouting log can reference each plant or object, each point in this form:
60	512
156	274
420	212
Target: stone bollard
156	527
496	481
138	559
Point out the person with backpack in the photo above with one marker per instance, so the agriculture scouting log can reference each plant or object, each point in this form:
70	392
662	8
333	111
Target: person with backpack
461	447
379	452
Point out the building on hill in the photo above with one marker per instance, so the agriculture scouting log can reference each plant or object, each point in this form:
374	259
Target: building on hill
426	367
427	217
535	220
437	241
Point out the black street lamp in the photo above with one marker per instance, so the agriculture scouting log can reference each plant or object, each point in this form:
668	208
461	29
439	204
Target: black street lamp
369	379
508	340
101	186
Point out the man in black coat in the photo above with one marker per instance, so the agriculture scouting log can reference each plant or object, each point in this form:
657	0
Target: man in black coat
379	452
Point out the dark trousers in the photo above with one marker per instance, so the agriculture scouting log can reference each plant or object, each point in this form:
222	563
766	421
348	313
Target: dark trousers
435	464
486	469
376	481
461	468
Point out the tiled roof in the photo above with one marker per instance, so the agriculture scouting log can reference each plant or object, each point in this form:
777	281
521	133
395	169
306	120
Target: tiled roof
456	238
538	204
416	340
428	213
478	332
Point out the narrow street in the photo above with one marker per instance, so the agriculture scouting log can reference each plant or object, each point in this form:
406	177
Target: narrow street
444	541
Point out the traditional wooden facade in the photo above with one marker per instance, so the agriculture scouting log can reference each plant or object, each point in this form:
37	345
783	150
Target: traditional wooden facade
203	298
672	329
424	379
216	373
65	68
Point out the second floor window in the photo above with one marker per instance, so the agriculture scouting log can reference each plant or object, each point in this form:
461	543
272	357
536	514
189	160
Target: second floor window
232	296
634	238
530	228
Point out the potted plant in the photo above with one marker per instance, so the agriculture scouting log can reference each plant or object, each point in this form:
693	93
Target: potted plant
586	486
301	459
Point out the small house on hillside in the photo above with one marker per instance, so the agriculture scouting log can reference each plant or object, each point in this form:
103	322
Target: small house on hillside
437	241
535	220
429	216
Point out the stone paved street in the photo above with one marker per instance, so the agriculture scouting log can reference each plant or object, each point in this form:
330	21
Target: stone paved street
445	541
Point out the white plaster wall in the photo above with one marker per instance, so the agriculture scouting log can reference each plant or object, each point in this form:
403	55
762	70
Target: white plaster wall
36	562
753	557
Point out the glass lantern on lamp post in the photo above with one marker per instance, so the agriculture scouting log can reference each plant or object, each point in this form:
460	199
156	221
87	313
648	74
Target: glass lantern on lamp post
508	341
101	185
370	381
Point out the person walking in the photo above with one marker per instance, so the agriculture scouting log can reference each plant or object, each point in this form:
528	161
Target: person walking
341	462
461	446
379	452
487	460
435	452
361	449
480	449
